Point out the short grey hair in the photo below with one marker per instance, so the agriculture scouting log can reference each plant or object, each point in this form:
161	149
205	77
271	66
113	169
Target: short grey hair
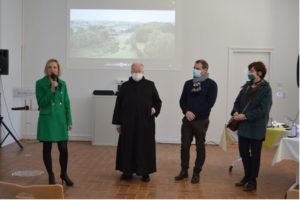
141	64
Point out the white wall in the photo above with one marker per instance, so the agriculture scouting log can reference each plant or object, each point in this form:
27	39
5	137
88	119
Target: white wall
209	29
11	38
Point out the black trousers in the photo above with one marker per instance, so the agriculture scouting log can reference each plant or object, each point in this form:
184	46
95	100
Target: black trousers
197	129
250	152
63	156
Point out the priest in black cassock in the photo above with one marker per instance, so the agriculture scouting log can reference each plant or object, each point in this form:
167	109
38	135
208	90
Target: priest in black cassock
137	105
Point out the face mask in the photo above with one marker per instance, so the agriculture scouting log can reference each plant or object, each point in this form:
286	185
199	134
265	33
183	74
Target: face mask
137	76
196	73
251	77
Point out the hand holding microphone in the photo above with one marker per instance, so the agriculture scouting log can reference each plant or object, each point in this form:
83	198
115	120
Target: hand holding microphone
54	83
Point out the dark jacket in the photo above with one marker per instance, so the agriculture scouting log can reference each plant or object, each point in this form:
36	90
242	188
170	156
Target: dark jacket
257	113
200	103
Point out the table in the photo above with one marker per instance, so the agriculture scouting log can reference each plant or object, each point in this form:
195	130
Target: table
288	149
273	137
227	137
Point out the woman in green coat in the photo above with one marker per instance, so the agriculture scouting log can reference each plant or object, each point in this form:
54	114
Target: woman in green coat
54	118
252	107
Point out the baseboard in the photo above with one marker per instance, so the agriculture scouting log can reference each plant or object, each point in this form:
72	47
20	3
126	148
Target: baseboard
167	141
81	137
72	137
8	141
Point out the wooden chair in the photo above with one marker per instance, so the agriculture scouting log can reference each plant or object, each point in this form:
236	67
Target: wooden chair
13	191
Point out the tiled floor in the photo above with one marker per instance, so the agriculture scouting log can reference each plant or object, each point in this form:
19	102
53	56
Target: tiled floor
92	170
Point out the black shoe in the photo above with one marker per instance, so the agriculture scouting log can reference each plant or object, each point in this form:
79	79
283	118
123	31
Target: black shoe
248	187
51	179
65	178
126	177
195	178
146	178
242	182
182	174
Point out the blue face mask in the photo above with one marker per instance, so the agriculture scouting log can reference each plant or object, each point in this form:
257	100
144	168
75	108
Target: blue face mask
196	73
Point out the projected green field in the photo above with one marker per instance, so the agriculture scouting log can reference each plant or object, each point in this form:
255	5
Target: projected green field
122	34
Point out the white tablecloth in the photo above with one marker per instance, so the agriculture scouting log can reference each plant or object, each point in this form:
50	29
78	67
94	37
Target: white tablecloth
288	149
227	137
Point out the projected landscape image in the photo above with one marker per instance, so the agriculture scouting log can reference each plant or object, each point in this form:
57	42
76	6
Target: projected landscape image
122	34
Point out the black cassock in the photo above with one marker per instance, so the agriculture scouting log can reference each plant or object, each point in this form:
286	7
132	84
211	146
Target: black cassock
136	145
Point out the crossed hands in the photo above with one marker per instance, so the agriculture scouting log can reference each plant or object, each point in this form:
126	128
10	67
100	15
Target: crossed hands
238	116
190	116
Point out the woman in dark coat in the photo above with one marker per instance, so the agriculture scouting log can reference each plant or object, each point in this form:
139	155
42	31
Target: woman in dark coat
256	97
54	118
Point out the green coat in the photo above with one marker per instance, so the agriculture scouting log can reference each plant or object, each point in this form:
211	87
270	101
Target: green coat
55	112
257	112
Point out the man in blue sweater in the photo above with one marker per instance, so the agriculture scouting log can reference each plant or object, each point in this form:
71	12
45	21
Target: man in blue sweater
198	97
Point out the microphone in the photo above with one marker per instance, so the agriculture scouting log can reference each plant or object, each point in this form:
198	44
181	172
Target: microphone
54	78
21	108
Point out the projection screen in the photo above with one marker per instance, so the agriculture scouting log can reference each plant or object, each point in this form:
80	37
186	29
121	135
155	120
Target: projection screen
102	35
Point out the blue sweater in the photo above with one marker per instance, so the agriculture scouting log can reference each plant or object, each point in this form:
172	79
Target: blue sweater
200	103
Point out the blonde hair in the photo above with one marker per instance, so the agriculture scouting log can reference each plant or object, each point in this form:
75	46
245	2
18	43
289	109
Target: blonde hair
50	61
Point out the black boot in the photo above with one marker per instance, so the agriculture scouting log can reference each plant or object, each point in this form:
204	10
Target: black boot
242	182
182	174
51	179
250	186
195	178
65	178
146	178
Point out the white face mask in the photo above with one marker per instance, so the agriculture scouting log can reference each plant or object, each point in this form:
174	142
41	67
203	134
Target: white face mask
137	76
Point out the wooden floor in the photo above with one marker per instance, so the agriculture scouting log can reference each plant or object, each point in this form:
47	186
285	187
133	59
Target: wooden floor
92	170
